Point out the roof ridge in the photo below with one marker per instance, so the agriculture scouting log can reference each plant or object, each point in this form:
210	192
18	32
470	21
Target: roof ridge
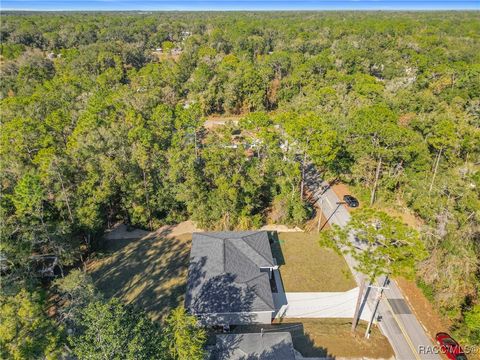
256	292
210	234
256	277
243	238
243	254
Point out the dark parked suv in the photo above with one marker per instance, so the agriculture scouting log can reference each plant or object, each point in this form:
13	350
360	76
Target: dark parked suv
350	201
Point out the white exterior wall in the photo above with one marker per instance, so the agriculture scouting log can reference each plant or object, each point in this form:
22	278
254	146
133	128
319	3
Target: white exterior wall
260	317
319	305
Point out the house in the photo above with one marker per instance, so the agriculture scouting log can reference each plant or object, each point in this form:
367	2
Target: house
265	346
186	34
231	278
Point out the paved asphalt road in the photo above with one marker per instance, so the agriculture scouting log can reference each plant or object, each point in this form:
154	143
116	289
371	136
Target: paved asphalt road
398	324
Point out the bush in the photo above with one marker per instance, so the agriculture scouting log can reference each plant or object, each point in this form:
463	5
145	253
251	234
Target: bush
25	330
113	330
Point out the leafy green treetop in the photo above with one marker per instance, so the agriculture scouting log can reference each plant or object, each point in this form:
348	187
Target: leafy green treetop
384	245
472	320
113	330
313	137
183	336
25	330
76	291
380	245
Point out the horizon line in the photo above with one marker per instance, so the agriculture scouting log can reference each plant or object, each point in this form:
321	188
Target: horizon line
246	10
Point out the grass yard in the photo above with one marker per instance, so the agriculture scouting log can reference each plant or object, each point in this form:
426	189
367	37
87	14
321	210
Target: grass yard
333	338
307	267
149	272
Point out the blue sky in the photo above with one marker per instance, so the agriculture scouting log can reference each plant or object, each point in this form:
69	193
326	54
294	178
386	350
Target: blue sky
238	5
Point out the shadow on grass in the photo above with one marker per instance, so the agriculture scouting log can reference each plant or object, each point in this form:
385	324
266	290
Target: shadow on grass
304	344
149	272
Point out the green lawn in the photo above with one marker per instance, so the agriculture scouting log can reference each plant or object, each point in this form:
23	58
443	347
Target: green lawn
307	267
333	338
149	272
330	338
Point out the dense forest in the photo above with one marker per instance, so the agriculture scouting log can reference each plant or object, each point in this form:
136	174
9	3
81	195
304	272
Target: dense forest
102	120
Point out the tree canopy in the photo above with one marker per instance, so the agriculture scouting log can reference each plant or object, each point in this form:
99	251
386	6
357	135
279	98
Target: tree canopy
380	244
110	117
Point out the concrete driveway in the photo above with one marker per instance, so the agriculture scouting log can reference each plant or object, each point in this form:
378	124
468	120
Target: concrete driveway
321	305
316	304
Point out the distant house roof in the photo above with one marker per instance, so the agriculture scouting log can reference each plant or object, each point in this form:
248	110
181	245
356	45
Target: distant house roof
266	346
225	273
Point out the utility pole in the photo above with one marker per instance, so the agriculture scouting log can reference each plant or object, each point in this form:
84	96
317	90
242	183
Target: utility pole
333	213
379	297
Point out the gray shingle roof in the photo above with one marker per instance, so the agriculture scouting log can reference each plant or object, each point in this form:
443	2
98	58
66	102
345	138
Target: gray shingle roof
224	273
253	346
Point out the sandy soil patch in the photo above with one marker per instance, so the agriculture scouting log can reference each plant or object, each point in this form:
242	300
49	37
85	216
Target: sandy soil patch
185	227
219	120
121	231
280	228
404	214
